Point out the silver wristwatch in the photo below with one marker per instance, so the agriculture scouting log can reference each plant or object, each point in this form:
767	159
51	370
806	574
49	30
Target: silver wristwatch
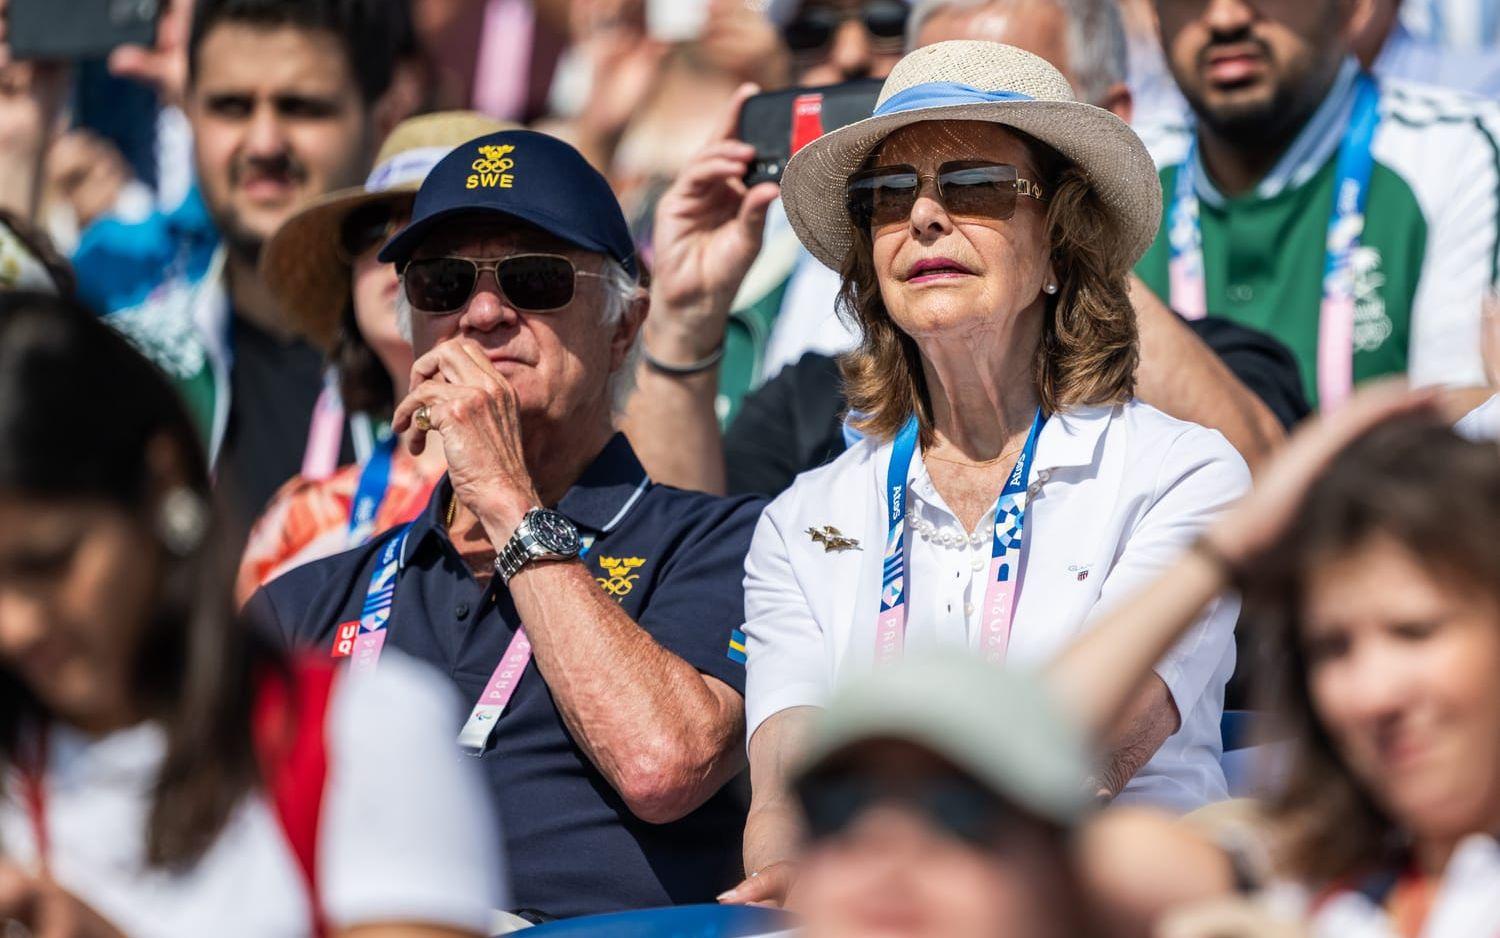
543	534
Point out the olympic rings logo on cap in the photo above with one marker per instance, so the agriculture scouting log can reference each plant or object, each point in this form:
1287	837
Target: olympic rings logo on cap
491	168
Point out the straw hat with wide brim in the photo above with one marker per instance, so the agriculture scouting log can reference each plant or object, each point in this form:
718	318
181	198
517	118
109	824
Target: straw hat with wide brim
303	263
967	80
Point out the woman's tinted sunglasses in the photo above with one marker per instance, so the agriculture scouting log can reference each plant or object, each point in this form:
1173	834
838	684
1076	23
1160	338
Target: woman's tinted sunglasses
884	195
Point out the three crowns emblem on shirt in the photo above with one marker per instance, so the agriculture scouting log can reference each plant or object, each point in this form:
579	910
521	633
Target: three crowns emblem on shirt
620	575
491	169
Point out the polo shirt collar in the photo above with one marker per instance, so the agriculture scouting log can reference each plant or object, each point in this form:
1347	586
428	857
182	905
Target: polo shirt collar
1313	146
601	498
1071	436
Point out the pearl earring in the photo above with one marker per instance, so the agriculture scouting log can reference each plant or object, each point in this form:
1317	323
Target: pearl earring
1049	288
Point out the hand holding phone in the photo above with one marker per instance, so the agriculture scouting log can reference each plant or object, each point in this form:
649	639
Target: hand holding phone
707	233
780	123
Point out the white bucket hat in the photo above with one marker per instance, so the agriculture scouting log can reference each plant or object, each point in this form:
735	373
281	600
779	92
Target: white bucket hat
975	81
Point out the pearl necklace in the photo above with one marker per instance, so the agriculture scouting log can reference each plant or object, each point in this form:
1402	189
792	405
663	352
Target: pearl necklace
947	536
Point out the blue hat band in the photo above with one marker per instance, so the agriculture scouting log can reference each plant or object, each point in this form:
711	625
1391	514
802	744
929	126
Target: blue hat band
943	94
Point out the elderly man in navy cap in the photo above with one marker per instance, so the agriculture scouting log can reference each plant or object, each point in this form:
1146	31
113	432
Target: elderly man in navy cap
587	616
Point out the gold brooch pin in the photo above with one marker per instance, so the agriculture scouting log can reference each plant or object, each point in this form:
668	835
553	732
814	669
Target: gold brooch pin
832	539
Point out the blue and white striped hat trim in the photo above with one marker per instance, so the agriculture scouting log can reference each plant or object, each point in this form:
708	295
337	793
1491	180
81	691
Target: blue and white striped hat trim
943	94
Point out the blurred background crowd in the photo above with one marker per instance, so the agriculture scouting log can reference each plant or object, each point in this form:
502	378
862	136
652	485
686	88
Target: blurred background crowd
301	300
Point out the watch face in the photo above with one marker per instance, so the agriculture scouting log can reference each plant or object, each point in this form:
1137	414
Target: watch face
553	532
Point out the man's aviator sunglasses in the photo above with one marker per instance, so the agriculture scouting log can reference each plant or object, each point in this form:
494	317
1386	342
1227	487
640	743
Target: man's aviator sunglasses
535	283
884	195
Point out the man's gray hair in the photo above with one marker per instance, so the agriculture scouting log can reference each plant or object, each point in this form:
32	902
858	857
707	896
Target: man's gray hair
619	291
1096	39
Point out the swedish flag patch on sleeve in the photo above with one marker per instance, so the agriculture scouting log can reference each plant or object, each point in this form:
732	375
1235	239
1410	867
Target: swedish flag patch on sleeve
737	646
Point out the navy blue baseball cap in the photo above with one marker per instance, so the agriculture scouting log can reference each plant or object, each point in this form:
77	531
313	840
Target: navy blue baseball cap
521	174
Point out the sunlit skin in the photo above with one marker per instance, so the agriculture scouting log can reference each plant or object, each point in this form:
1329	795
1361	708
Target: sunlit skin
374	286
77	582
1402	672
552	359
1254	71
892	874
1006	261
851	53
277	119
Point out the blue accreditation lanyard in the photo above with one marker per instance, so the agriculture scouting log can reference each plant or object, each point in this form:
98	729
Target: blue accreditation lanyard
1005	550
363	641
374	482
1345	227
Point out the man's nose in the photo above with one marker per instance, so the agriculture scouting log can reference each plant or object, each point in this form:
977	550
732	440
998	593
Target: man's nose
487	309
1227	18
266	136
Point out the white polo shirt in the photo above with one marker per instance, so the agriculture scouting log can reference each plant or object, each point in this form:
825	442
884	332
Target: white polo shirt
1118	493
406	832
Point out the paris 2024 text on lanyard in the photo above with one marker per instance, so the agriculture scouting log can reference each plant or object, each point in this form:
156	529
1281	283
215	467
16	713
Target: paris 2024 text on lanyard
1005	550
1345	227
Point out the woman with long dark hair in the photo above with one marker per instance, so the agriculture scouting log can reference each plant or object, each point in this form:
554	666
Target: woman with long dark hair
163	771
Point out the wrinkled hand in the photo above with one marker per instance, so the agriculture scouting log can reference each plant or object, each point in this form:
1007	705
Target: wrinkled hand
708	231
768	887
473	409
1260	518
46	909
163	66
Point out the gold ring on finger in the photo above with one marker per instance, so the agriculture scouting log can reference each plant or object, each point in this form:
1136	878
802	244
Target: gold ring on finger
422	418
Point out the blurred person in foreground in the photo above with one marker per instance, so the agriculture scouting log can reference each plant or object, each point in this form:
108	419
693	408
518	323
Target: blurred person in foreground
281	99
1353	218
1367	556
162	770
610	723
927	817
709	232
1009	485
333	291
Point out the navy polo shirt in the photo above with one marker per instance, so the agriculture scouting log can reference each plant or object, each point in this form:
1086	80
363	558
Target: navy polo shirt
674	560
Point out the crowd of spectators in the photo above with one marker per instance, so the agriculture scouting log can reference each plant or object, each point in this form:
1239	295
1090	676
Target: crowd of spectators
461	469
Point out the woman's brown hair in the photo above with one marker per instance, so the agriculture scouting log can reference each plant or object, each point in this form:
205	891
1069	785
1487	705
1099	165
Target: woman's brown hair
196	667
1422	487
1089	344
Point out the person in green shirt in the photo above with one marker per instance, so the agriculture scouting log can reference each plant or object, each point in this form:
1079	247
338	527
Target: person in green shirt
1390	283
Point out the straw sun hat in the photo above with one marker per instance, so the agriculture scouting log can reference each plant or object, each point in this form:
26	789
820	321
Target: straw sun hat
974	81
303	263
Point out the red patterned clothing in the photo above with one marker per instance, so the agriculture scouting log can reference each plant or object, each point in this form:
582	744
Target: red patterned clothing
309	519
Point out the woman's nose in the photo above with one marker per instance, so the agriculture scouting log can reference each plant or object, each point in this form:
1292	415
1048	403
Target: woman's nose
929	217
